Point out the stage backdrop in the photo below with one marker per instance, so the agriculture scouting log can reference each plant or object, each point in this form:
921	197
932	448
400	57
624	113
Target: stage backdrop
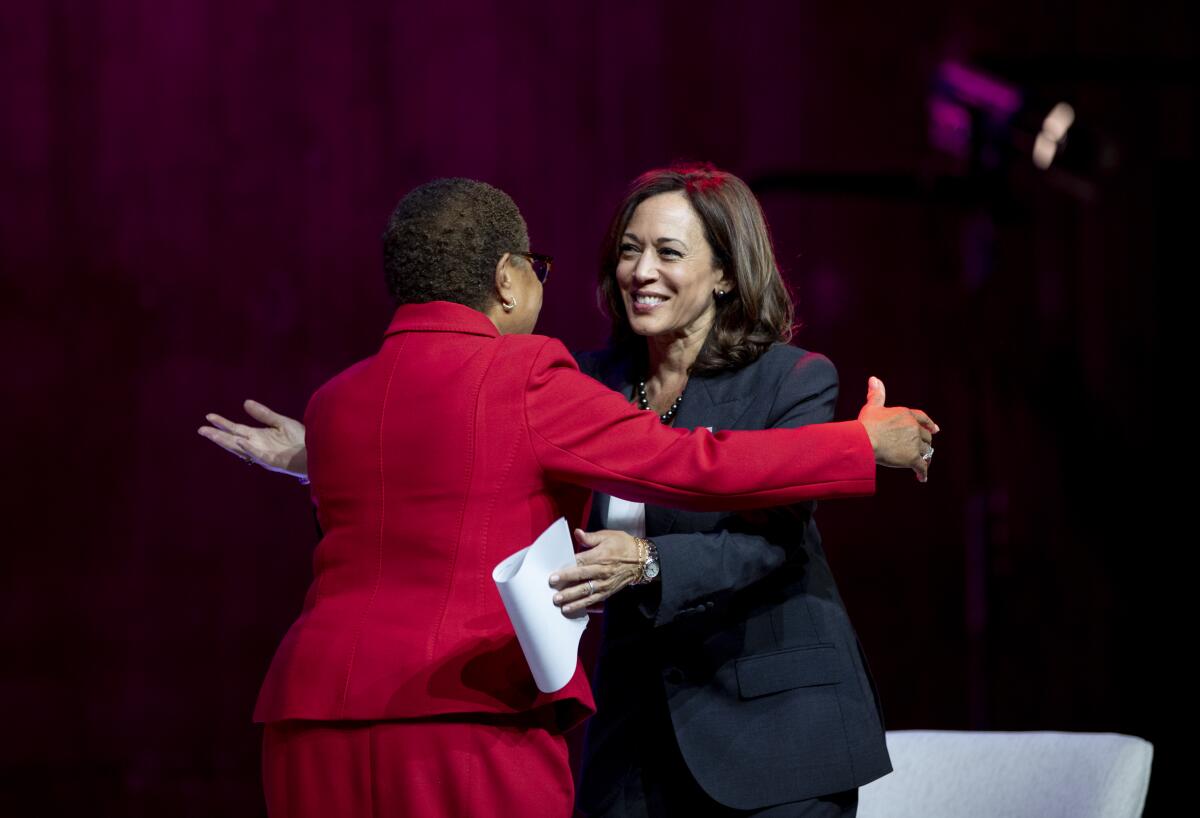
193	195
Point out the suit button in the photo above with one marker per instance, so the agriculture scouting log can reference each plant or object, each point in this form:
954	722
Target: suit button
673	675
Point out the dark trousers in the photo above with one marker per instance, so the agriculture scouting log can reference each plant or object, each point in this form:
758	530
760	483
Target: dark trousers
660	785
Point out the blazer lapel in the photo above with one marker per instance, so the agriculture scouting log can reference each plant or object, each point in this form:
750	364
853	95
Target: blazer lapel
599	511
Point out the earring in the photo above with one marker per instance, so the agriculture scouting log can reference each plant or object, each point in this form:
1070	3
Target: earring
509	307
719	293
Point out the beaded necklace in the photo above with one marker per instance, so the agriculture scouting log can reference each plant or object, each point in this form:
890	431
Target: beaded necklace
644	403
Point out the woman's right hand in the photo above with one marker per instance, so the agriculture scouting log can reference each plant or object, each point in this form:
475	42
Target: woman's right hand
277	446
613	559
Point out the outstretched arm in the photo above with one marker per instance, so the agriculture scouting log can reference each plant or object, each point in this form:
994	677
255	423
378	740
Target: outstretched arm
701	569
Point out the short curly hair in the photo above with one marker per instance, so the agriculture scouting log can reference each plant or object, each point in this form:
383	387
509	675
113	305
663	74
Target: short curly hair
444	239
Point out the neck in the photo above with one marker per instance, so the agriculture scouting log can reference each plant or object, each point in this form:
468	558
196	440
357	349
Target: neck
670	358
506	323
672	355
669	362
496	314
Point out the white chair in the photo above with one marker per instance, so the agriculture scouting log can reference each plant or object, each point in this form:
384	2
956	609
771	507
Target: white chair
950	774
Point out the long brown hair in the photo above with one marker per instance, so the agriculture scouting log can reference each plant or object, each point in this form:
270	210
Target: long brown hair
757	313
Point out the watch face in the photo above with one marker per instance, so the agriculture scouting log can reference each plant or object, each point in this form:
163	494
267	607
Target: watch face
651	569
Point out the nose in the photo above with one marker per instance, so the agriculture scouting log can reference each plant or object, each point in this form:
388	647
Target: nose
645	271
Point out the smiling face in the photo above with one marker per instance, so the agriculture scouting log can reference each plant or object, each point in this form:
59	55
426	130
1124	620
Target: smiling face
666	271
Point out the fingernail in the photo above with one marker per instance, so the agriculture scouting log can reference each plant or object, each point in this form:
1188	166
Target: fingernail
553	578
558	597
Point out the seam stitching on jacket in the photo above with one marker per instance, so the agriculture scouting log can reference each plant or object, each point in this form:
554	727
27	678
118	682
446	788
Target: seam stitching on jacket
469	480
382	518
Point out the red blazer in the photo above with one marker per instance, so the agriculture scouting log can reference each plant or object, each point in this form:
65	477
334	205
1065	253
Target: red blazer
448	450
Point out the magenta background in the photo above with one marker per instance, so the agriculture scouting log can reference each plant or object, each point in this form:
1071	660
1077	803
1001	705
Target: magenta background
193	195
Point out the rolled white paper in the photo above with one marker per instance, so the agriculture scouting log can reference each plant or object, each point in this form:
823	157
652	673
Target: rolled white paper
549	640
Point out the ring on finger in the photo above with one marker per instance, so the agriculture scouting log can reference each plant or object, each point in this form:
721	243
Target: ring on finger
928	455
591	587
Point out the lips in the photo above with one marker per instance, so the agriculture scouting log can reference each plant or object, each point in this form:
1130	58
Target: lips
643	303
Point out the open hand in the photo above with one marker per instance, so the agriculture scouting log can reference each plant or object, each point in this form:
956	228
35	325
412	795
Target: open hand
277	446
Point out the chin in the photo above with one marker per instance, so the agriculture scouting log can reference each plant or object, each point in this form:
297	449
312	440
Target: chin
641	325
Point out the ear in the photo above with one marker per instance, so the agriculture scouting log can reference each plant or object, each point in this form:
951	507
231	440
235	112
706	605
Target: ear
725	282
504	278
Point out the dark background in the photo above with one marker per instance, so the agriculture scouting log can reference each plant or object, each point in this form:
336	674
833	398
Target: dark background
192	200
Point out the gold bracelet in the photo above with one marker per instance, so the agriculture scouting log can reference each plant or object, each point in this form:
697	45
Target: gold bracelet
643	555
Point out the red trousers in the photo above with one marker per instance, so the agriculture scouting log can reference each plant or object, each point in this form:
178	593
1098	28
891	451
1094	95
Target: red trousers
503	766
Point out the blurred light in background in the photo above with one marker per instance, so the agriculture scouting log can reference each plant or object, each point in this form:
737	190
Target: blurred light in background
969	113
984	123
1053	135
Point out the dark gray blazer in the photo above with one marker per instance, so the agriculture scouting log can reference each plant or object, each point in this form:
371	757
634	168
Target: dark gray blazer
745	640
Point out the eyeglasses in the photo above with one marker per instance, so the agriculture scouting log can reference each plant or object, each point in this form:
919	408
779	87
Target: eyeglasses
540	264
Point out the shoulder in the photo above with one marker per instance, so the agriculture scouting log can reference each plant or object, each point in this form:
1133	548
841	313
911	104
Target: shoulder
533	345
532	348
784	364
797	384
532	354
812	372
345	381
796	360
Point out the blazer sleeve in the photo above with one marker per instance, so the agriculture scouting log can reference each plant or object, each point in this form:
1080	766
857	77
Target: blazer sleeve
582	432
704	569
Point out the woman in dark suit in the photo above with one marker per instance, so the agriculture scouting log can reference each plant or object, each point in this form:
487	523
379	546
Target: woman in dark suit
398	652
730	680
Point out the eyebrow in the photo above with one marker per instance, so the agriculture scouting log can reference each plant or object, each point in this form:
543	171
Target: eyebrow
658	242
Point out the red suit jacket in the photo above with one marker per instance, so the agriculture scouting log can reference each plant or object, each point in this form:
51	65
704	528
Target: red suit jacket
448	450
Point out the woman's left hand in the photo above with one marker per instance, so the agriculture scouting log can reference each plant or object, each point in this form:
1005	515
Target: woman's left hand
612	561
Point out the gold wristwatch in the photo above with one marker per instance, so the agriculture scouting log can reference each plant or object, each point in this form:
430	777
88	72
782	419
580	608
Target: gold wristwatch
650	566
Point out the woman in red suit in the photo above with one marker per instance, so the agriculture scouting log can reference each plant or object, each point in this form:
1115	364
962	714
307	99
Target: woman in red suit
401	689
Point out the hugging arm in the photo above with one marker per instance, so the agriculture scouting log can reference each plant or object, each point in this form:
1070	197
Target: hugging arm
699	570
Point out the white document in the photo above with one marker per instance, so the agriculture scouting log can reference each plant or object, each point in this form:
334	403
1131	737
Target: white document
549	640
